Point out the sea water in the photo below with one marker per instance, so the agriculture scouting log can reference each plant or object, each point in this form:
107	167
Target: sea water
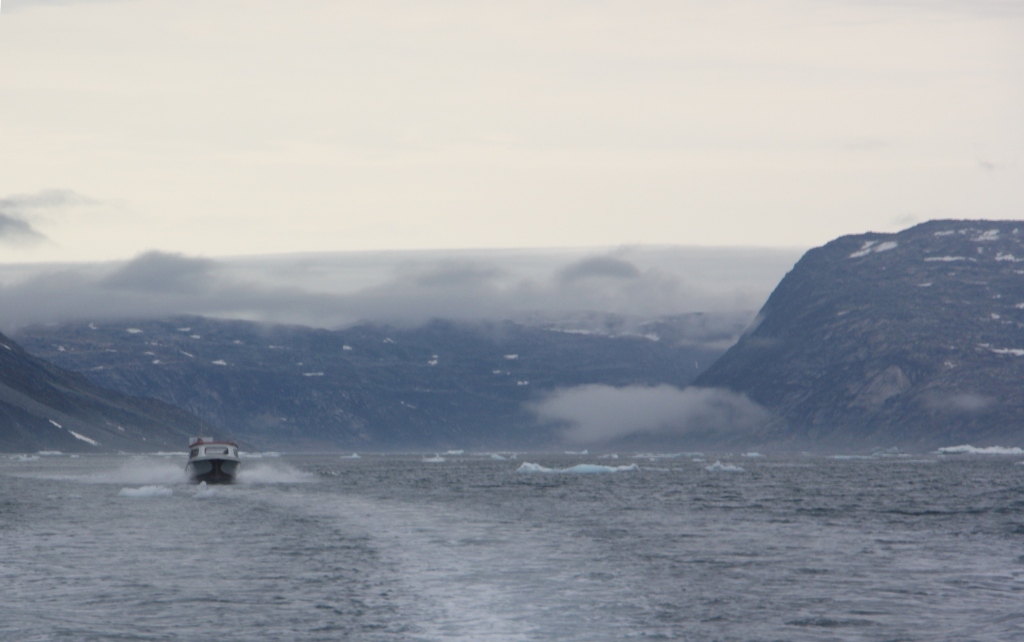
471	547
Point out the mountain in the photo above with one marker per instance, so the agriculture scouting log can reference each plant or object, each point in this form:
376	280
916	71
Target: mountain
43	407
372	387
914	339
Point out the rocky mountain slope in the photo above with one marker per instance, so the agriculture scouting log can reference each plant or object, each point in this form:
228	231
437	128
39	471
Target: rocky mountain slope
913	339
442	385
43	407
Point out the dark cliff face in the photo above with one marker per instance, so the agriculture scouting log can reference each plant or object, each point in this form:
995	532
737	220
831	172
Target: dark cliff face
438	386
913	339
43	407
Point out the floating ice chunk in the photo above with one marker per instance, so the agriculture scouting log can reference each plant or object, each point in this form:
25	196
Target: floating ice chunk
579	469
133	330
522	383
609	456
312	374
187	354
91	442
511	357
497	457
219	362
352	456
967	449
146	491
195	336
577	452
346	347
455	452
56	424
436	459
432	362
752	454
388	340
945	259
718	466
49	453
204	491
184	329
994	316
24	457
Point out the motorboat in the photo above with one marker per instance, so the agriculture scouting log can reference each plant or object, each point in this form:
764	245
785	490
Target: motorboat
212	461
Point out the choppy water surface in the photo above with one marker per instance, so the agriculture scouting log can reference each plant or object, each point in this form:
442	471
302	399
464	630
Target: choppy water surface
399	548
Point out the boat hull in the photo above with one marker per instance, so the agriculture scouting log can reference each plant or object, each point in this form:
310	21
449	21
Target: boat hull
212	471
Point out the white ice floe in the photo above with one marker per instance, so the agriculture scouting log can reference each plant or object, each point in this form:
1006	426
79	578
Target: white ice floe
1006	256
49	453
133	330
967	449
455	452
91	442
195	336
752	454
436	459
146	491
522	383
187	354
497	457
346	347
312	374
24	457
432	362
219	362
718	466
579	469
352	456
511	357
389	340
945	259
184	329
1017	352
56	424
609	456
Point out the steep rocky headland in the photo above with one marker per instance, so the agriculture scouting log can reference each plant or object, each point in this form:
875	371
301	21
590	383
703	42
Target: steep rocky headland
914	339
43	407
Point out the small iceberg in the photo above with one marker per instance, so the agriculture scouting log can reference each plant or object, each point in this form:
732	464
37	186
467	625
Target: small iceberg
579	469
352	456
719	467
436	459
146	491
971	450
752	454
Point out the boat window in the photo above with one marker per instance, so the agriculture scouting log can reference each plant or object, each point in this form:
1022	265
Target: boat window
194	453
216	450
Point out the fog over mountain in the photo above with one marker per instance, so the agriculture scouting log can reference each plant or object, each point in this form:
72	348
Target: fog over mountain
403	288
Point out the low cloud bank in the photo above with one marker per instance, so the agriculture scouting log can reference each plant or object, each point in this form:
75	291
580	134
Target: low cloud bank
599	413
404	288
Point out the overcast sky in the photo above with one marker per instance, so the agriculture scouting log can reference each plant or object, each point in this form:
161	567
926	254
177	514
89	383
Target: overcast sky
237	127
